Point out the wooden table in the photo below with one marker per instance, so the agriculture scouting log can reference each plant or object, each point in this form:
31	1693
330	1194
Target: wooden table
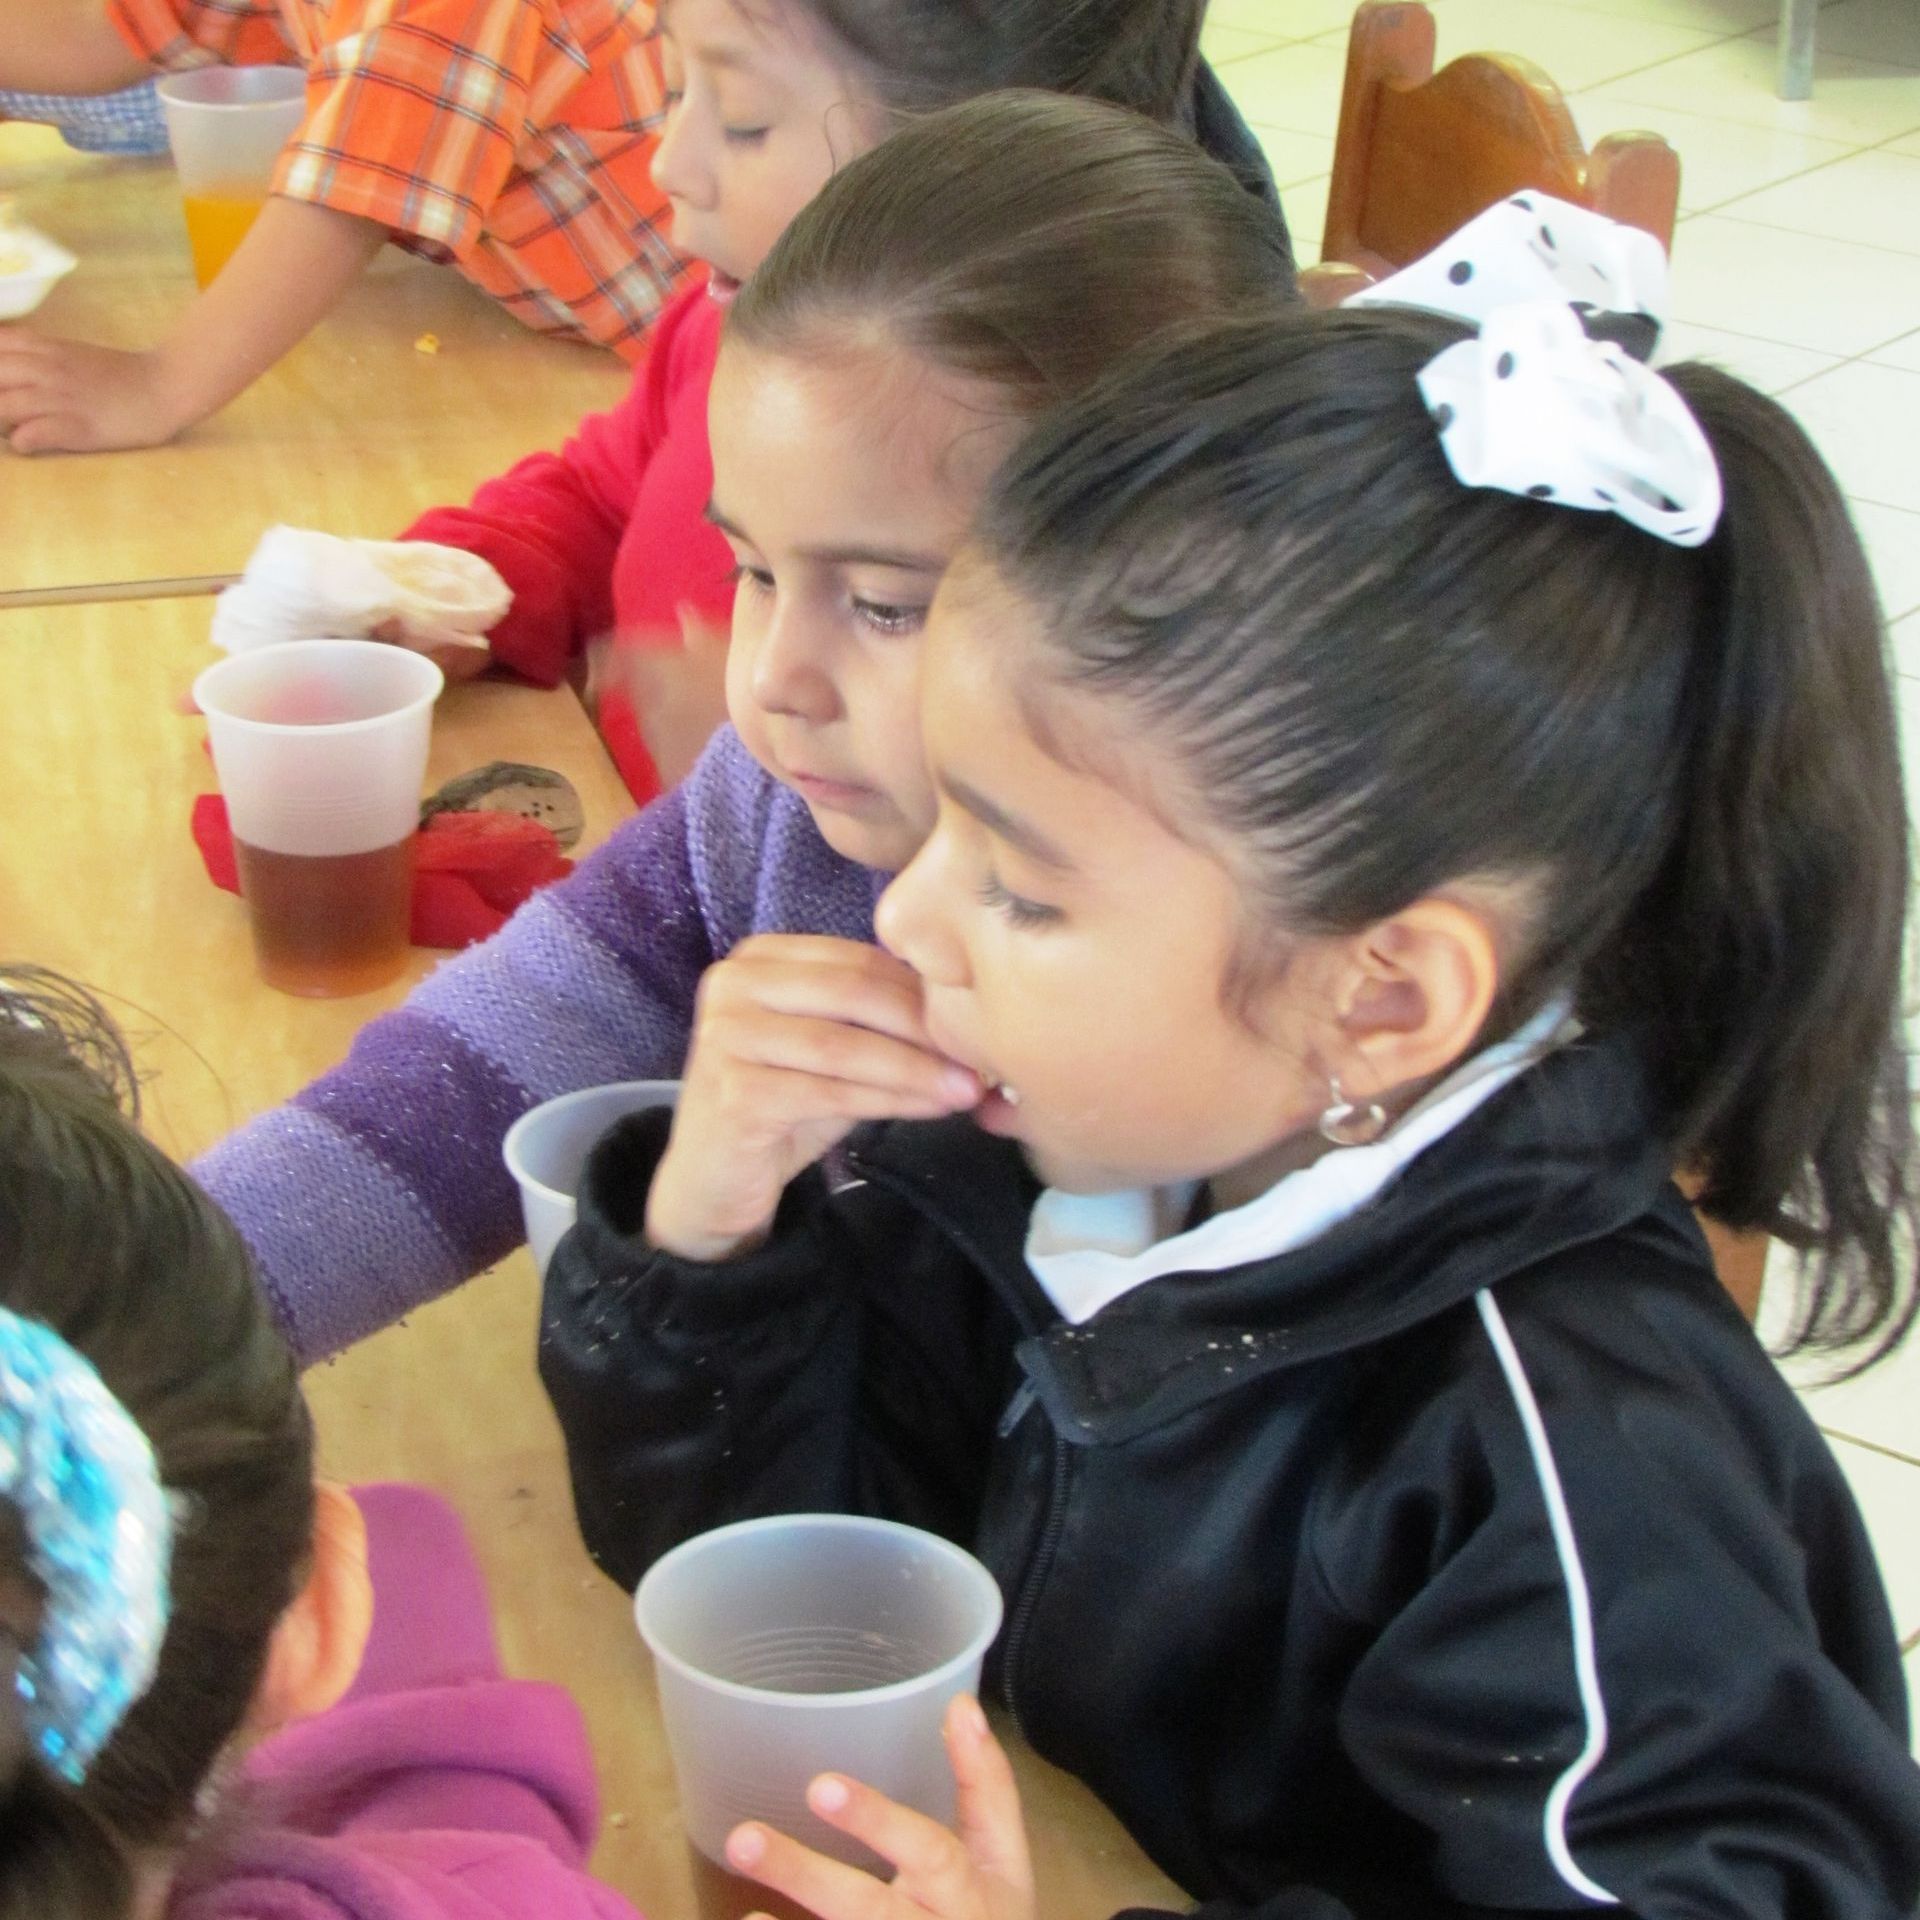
101	879
355	431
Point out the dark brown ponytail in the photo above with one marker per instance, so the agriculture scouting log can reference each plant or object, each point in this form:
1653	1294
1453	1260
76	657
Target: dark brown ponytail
1768	949
1385	682
104	1240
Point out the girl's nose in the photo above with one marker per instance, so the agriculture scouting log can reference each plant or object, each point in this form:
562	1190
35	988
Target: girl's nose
911	921
791	672
679	167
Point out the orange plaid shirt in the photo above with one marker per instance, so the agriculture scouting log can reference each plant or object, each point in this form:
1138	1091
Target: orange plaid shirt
512	137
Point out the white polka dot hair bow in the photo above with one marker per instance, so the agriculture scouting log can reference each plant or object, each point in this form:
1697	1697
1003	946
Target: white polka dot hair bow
1552	400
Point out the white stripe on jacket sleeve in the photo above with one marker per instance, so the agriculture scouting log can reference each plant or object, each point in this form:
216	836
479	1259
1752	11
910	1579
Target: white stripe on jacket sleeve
1579	1607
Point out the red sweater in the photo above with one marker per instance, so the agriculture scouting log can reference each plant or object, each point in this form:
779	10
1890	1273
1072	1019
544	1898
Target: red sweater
609	535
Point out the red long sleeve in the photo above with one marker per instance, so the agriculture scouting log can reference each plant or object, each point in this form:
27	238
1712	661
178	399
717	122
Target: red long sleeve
609	534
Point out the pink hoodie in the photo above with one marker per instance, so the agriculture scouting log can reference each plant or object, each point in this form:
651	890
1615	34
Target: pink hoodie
437	1790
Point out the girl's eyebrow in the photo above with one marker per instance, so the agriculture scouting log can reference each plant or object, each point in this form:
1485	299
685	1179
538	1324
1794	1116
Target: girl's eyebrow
899	559
724	59
722	56
1006	826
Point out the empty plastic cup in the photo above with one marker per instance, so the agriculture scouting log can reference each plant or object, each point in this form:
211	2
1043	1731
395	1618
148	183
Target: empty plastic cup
321	749
546	1151
226	126
810	1642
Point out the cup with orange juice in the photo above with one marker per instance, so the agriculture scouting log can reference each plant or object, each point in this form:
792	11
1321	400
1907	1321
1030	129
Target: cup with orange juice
226	126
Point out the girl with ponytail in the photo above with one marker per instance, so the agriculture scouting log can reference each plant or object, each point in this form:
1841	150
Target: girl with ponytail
1410	778
224	1691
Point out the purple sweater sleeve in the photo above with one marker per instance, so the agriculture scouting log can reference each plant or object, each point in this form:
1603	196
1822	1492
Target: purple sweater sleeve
380	1186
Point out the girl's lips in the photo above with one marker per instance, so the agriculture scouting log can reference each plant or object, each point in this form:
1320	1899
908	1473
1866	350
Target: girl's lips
721	287
829	793
998	1108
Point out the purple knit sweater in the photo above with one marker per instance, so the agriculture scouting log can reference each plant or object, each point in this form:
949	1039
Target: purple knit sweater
380	1186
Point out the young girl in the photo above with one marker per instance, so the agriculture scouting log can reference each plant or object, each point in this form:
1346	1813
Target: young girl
936	296
766	99
174	1587
512	137
1391	813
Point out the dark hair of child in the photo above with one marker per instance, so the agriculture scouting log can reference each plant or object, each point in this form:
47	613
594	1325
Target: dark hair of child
921	54
108	1243
1004	239
1382	681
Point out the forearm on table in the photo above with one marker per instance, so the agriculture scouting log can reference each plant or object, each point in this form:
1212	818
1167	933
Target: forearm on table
290	271
381	1185
63	46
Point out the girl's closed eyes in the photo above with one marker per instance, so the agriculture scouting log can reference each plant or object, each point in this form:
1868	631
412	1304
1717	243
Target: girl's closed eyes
1018	910
883	616
890	617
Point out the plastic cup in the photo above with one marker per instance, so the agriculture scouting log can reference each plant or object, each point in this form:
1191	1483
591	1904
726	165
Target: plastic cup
321	749
226	126
546	1151
789	1646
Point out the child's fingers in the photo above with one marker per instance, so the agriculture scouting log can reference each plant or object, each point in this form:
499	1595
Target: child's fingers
829	1888
51	433
29	376
24	396
988	1815
831	1050
833	1009
844	980
934	1868
20	345
855	959
38	411
778	1101
793	1033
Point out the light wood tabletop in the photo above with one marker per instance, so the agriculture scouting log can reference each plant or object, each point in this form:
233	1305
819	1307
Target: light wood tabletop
356	431
101	879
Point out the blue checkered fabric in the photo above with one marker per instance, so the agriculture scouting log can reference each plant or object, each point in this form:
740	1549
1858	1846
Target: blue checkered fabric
125	122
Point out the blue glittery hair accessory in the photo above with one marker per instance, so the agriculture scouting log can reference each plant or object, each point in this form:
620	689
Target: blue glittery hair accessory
99	1532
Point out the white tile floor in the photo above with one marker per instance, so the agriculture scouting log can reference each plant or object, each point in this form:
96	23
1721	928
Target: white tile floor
1797	265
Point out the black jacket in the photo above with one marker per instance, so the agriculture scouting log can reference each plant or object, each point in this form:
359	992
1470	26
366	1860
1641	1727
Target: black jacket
1286	1579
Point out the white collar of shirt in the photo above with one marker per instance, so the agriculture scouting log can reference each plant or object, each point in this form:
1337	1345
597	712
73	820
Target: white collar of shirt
1086	1250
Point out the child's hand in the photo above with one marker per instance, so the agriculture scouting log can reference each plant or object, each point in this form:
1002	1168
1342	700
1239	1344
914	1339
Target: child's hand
456	658
64	396
676	693
982	1872
796	1040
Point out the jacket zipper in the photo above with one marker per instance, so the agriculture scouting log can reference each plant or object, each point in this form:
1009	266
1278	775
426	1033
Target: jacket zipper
1051	1527
1055	1520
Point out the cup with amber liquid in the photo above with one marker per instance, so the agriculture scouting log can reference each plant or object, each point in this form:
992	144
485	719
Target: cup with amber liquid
321	751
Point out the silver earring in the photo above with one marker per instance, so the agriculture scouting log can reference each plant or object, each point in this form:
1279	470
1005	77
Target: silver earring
1348	1123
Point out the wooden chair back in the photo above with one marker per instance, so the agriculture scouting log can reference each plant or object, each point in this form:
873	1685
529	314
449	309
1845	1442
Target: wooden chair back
1419	153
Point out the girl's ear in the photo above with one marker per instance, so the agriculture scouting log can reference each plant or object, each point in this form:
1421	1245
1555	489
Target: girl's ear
1416	991
317	1648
